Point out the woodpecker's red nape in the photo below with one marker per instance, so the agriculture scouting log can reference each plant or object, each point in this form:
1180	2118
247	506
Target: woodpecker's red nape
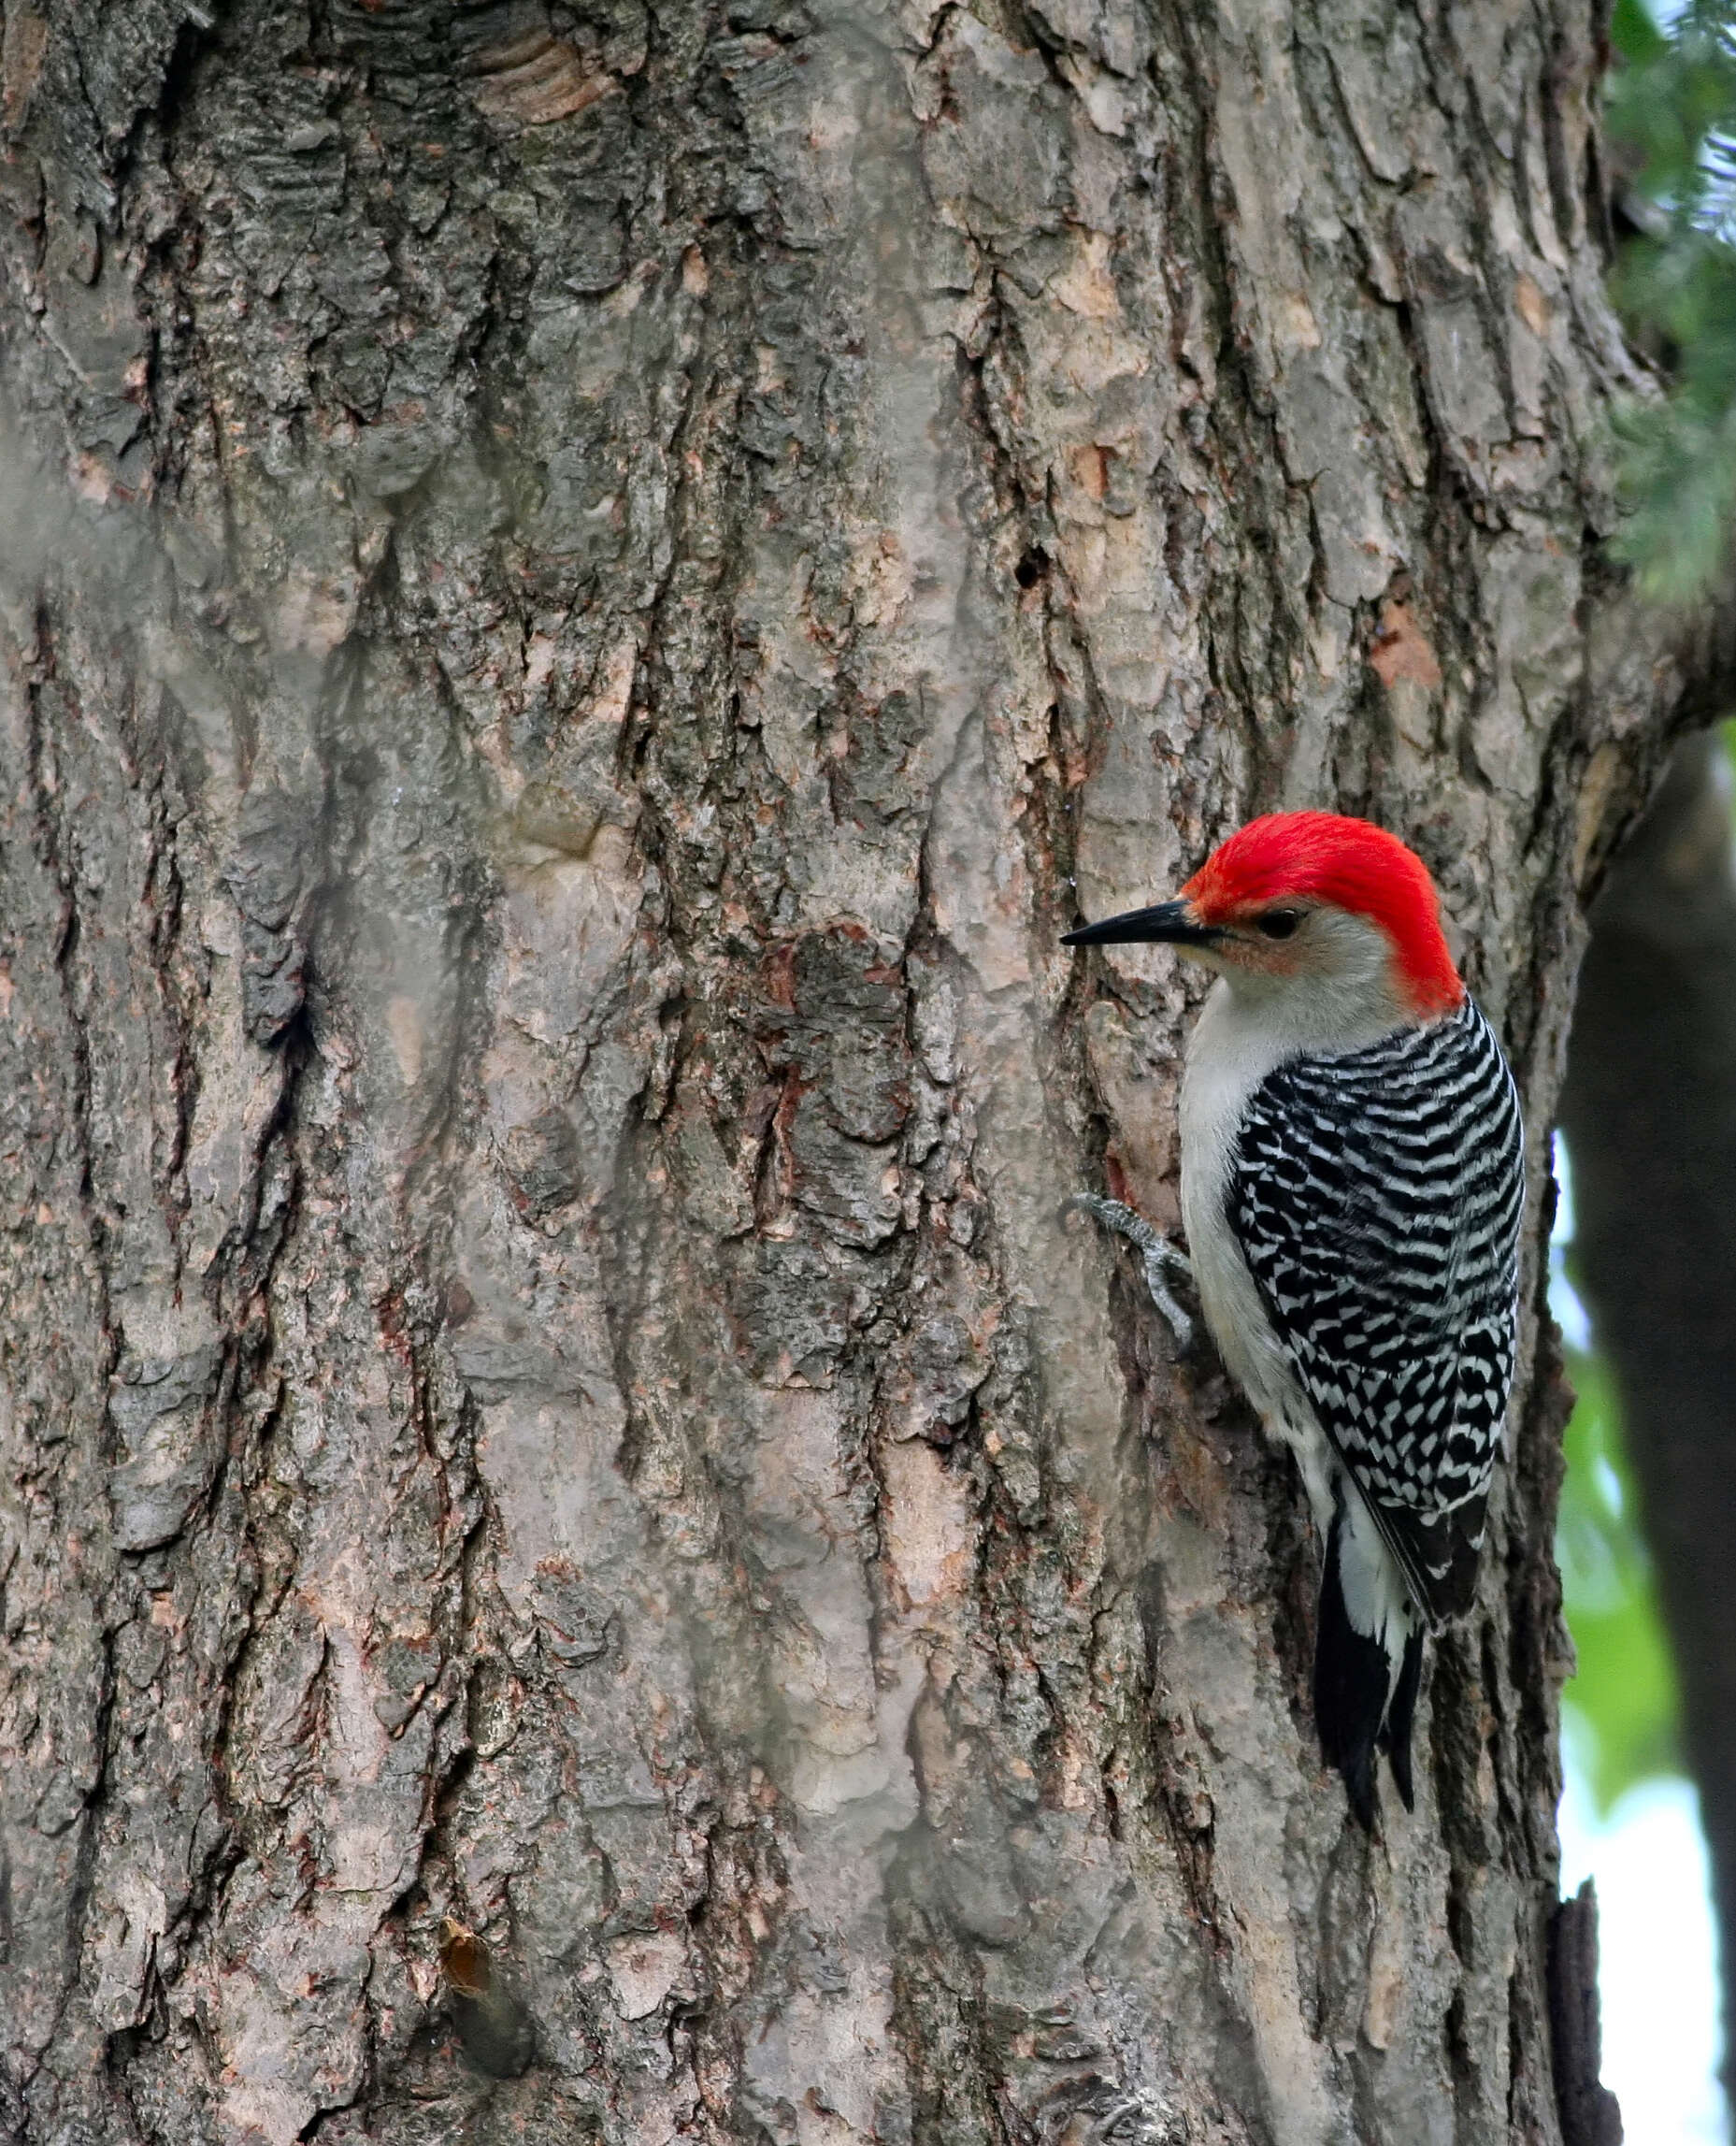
1351	864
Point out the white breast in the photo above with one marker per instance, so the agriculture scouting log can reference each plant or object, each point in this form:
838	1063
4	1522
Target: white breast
1245	1031
1228	1056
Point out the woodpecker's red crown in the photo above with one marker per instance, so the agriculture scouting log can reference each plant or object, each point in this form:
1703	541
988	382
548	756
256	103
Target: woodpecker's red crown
1327	858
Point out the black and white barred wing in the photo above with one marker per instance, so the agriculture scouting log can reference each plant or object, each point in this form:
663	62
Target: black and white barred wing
1377	1199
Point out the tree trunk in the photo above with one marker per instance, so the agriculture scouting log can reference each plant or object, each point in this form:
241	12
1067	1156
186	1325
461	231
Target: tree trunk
586	592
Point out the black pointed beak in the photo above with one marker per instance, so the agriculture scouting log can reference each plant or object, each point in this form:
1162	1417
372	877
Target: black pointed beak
1172	923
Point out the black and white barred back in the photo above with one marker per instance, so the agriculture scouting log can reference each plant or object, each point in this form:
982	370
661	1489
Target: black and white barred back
1377	1198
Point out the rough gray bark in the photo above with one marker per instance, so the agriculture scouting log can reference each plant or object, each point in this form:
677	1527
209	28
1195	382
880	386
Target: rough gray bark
598	585
1649	1109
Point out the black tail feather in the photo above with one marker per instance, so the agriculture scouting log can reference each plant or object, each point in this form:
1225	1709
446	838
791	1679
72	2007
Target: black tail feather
1351	1677
1395	1736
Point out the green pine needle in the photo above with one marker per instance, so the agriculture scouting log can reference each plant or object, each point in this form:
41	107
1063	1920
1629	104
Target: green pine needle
1671	117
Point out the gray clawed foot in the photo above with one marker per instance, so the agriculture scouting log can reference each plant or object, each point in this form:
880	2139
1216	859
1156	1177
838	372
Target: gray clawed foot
1161	1260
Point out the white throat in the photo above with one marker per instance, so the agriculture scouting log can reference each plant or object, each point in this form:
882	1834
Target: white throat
1344	995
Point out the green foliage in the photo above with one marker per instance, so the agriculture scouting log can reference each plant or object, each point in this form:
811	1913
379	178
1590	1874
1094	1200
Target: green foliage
1623	1705
1634	35
1671	119
1671	96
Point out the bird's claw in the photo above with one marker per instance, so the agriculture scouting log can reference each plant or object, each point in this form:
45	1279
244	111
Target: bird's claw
1161	1258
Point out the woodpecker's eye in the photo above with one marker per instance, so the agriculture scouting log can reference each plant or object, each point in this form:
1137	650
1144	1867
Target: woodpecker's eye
1278	923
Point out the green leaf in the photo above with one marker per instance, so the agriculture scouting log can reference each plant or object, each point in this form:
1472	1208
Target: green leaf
1633	33
1624	1700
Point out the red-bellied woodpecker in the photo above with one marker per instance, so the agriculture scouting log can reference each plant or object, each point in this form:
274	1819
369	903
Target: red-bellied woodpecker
1352	1181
